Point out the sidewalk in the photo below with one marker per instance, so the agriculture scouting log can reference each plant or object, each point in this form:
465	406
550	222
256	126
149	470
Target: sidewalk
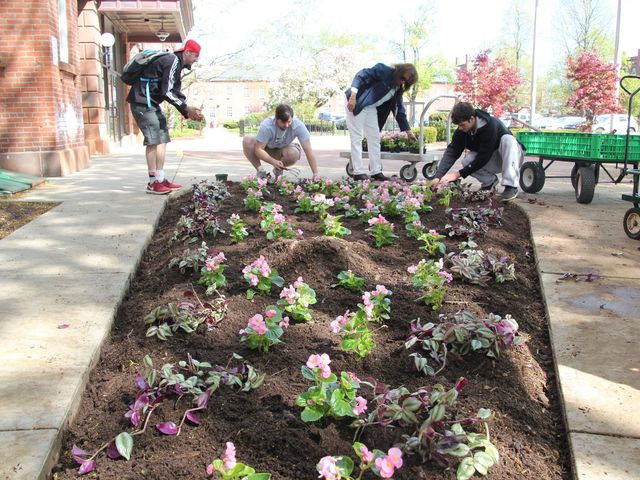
72	266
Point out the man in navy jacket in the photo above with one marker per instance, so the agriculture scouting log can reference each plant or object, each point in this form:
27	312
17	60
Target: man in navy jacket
375	92
491	149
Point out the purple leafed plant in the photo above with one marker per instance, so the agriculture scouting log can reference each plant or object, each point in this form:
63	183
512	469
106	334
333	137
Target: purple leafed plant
190	379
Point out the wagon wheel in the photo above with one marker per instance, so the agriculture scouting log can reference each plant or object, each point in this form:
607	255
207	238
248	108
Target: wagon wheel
429	170
409	172
349	168
631	223
574	172
532	177
585	184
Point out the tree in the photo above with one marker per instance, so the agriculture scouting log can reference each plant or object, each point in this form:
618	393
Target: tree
310	86
517	29
596	83
585	26
489	84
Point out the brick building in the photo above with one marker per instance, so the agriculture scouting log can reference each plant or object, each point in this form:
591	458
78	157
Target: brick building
61	100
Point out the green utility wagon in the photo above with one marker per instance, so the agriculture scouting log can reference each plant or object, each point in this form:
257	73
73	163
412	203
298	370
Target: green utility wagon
590	154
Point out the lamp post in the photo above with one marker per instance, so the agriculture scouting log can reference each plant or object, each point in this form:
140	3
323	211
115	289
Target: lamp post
107	41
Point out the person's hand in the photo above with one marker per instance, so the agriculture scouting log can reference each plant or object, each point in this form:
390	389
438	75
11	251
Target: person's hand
411	135
434	183
278	164
316	177
450	177
351	104
194	113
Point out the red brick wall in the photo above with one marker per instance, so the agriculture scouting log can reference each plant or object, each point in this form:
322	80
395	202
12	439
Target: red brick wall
41	125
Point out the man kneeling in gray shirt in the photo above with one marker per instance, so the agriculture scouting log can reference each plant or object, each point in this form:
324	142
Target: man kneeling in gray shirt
274	144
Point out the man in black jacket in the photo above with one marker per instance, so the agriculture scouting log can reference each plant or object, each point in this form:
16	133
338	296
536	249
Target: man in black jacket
161	81
491	149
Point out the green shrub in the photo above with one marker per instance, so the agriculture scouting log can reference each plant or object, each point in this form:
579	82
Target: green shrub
230	124
438	120
194	124
256	118
320	126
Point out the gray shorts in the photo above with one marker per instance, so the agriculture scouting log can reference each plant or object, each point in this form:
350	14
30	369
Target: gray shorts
276	153
152	123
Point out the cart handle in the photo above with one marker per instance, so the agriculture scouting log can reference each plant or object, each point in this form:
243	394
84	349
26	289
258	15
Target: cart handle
422	115
625	88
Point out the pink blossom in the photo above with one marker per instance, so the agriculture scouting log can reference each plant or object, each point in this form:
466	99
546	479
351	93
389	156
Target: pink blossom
299	232
335	325
412	269
395	457
328	469
354	377
270	313
253	279
367	455
299	282
284	323
361	406
378	220
385	466
210	469
298	189
229	458
380	290
322	362
290	295
279	218
257	325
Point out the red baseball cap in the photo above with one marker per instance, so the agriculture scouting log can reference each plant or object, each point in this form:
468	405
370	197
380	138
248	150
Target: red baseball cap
189	45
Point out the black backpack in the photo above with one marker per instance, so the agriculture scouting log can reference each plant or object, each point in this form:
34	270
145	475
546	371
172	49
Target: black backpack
132	71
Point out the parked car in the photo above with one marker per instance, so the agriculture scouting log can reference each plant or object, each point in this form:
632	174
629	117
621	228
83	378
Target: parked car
602	123
571	122
330	117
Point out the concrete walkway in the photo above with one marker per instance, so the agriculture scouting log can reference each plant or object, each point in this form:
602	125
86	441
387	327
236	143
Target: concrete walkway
63	276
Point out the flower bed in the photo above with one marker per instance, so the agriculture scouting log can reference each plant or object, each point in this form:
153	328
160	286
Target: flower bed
358	307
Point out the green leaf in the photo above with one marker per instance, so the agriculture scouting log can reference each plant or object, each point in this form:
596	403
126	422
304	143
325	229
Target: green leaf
258	476
465	469
124	444
345	464
482	462
460	450
250	294
476	344
310	415
485	413
492	451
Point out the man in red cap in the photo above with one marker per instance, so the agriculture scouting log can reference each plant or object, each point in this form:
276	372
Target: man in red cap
161	81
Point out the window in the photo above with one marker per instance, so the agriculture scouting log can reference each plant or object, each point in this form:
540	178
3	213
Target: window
229	111
229	90
247	110
246	91
261	93
63	31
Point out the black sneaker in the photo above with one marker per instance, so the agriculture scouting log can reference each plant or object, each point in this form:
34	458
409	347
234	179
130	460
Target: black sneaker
360	177
380	177
509	194
491	186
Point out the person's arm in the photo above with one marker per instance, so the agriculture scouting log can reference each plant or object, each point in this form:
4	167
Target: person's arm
262	154
451	154
487	144
169	84
364	78
311	158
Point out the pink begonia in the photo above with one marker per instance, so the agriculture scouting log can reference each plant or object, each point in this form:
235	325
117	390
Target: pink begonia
346	189
290	295
299	232
299	282
339	321
284	323
354	377
210	469
229	458
367	455
298	189
434	232
320	361
279	218
385	466
253	279
412	269
361	406
378	220
328	181
380	289
257	325
417	223
395	457
369	205
262	182
328	469
270	313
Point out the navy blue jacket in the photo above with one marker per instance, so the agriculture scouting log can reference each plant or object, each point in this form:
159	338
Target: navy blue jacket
373	84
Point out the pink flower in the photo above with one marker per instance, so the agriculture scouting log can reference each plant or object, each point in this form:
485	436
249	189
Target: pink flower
361	406
229	458
279	218
328	469
378	220
412	269
299	282
367	455
284	323
257	325
299	232
322	362
335	325
394	455
380	289
385	466
210	469
253	279
354	377
270	313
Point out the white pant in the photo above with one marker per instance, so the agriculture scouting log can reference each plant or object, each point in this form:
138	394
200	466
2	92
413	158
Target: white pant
506	160
365	124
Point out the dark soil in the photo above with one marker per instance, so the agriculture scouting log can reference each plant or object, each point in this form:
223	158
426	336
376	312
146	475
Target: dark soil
14	215
265	424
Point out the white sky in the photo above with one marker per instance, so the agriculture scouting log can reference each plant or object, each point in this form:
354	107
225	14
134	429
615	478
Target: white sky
480	21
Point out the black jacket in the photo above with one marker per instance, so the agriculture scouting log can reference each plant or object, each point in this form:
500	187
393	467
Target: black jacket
165	83
485	141
373	84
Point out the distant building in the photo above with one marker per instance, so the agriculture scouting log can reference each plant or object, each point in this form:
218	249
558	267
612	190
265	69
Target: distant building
230	95
634	68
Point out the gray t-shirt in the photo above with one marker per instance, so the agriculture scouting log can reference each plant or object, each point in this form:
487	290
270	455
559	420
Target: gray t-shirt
274	137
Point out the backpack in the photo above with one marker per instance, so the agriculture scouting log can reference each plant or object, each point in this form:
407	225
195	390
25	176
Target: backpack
132	71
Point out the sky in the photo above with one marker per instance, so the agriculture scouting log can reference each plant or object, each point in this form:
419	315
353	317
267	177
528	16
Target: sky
459	27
